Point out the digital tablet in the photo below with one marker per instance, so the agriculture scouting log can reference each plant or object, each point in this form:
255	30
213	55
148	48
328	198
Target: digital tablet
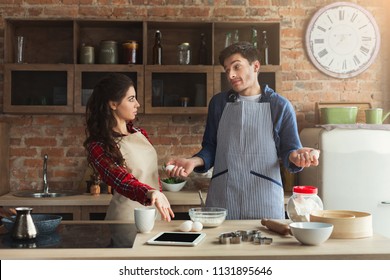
177	238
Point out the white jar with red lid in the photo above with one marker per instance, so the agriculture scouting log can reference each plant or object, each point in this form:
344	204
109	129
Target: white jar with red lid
303	202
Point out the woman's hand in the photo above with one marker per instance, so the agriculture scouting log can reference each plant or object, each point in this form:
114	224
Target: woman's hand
305	157
162	204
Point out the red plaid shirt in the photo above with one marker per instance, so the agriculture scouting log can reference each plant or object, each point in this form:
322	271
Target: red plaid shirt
118	176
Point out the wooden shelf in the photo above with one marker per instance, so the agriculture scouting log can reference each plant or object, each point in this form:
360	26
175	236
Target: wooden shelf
38	88
51	81
165	86
87	76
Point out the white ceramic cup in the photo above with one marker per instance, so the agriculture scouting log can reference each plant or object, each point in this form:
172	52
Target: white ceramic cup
144	219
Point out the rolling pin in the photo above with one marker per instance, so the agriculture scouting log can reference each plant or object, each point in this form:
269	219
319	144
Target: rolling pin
276	226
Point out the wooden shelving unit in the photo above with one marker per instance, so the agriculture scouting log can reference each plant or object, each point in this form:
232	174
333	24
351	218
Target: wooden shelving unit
52	81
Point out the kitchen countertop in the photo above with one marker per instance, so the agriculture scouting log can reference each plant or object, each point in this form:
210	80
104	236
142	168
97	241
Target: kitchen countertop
183	197
282	247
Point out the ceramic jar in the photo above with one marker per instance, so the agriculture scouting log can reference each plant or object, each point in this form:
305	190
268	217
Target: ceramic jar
108	53
87	55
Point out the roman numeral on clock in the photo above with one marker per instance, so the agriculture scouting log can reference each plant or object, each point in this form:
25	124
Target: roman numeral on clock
321	28
322	53
318	41
354	16
364	50
366	39
356	60
341	14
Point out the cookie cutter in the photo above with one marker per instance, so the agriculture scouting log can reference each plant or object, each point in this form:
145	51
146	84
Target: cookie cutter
230	238
262	240
235	237
248	235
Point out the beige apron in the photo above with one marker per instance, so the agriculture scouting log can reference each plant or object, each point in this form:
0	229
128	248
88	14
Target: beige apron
141	161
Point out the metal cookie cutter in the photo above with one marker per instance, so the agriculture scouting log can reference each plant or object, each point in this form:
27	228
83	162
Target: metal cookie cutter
249	235
230	238
262	240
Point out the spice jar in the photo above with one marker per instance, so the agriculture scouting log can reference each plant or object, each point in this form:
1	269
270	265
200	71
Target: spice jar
95	190
184	54
108	53
303	202
87	55
130	52
95	187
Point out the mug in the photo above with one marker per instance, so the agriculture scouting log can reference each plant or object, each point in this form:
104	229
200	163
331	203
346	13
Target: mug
144	219
375	116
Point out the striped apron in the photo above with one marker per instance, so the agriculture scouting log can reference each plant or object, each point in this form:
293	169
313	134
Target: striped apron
141	161
246	178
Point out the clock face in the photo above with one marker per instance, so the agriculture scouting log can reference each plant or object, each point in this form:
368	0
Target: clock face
342	40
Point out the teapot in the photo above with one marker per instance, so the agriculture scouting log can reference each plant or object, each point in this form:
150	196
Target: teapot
24	227
375	116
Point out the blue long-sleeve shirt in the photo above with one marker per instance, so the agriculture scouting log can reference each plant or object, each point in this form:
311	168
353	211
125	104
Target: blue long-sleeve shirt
284	121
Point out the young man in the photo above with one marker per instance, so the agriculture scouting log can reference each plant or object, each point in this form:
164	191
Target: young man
248	130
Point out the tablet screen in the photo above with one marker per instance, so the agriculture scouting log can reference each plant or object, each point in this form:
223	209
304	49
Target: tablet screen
177	238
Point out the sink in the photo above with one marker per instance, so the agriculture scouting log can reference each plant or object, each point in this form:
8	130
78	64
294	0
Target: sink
44	195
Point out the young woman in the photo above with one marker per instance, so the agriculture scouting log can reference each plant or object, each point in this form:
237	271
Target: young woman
120	152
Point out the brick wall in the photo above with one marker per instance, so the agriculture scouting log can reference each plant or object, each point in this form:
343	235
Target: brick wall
61	136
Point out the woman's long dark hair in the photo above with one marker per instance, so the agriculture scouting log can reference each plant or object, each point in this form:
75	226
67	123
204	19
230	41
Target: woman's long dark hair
99	118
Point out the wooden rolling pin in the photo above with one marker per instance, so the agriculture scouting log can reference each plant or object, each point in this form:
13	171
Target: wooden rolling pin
276	226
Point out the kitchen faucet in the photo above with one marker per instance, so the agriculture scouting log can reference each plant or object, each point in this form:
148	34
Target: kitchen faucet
45	183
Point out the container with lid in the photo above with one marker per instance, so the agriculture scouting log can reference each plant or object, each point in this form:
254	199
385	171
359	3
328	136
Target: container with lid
87	55
130	52
184	54
303	202
108	53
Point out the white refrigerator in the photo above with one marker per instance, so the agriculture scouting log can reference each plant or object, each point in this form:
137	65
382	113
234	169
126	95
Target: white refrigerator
354	170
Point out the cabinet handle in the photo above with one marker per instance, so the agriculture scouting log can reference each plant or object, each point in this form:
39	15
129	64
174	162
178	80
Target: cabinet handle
385	202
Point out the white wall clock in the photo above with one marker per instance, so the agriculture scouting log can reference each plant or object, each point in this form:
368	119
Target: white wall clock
342	39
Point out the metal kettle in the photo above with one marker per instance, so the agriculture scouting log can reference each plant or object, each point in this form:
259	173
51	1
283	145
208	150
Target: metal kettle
24	227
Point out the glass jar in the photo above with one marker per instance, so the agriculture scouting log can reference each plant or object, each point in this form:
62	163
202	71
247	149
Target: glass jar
303	202
130	52
228	39
184	54
108	53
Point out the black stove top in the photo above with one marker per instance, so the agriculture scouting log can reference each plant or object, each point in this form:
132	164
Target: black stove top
100	235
